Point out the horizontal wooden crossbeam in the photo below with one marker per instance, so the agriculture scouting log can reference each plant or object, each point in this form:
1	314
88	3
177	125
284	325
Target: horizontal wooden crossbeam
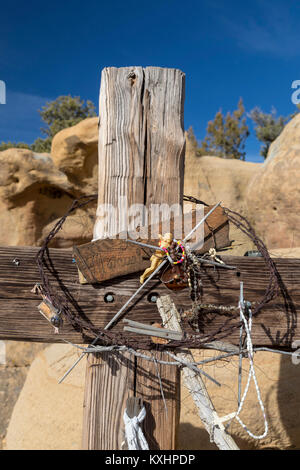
276	326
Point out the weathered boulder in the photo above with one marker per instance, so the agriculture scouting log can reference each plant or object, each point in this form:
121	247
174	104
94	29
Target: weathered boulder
285	252
214	179
273	193
34	194
75	152
28	182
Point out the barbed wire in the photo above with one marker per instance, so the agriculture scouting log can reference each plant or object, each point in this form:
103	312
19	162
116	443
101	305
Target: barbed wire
108	338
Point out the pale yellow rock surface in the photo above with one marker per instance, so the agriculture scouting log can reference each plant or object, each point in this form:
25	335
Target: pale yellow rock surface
48	415
28	181
34	195
37	189
214	179
16	358
285	252
279	381
75	152
273	194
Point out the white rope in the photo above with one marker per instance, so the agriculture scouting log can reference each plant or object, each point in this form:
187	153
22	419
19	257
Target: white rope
248	326
133	431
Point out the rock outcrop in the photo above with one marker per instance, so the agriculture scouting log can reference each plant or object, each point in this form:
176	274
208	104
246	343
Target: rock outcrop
214	179
75	152
28	182
35	192
273	194
37	189
15	360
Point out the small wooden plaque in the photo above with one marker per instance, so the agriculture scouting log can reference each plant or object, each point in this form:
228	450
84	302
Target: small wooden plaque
110	258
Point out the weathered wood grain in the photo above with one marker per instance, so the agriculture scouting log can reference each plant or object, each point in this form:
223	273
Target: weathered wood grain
162	418
141	144
103	426
276	326
141	162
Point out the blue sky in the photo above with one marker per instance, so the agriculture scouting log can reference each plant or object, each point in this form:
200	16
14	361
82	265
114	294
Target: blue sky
227	50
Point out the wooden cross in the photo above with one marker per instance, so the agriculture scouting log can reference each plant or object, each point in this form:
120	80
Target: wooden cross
141	156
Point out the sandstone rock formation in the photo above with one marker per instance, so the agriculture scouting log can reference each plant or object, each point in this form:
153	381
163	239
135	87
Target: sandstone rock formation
34	194
75	152
36	189
214	179
273	194
28	181
14	365
48	415
279	380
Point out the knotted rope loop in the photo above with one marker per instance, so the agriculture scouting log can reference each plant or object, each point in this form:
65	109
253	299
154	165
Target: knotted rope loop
248	327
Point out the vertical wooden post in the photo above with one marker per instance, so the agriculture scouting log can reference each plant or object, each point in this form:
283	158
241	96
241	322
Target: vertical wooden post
141	158
109	381
162	419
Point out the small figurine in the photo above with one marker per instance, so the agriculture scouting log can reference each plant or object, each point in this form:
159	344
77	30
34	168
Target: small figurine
158	256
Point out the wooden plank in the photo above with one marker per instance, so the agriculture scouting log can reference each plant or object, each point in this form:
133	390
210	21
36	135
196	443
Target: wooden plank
276	326
141	162
100	260
103	426
141	143
194	382
162	418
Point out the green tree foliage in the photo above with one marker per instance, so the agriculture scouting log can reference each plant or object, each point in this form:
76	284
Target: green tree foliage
193	141
65	111
226	135
41	145
9	145
267	127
